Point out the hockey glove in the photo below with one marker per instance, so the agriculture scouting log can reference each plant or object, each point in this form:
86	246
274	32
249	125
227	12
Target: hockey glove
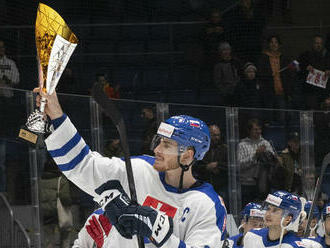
114	201
147	222
98	229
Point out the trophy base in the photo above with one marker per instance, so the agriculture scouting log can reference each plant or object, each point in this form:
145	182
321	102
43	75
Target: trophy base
32	138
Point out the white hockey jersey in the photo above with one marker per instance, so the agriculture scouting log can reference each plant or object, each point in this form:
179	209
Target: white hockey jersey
198	213
84	240
258	238
311	243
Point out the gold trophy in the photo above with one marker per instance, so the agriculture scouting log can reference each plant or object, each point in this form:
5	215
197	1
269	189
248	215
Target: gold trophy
55	44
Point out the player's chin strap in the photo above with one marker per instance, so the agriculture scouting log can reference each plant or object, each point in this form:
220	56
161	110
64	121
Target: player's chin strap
313	230
184	168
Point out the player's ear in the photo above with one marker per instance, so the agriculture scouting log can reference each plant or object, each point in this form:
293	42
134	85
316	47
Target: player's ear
187	157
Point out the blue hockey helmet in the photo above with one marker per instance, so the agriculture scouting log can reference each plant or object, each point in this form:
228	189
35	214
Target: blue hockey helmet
253	210
290	203
187	131
316	212
326	210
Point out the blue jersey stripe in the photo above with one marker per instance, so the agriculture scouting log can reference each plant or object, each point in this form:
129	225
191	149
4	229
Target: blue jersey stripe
67	147
182	244
75	161
58	121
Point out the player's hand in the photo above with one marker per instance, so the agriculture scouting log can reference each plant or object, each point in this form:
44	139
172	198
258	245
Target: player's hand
53	108
147	222
98	229
114	201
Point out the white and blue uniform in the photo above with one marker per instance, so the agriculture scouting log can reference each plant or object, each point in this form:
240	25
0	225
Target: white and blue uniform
198	213
84	240
311	242
236	241
258	238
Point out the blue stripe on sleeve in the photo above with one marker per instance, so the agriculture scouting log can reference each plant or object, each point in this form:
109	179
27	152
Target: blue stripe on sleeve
182	244
75	161
67	147
58	121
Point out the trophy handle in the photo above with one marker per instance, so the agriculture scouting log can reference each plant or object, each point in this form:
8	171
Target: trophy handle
42	104
41	87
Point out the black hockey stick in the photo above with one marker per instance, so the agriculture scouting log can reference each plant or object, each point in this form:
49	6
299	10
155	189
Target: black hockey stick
325	163
110	109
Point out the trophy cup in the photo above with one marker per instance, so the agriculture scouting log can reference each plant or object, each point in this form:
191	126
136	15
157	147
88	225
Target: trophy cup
55	44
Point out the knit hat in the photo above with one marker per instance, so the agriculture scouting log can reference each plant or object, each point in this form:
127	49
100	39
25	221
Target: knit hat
249	66
223	46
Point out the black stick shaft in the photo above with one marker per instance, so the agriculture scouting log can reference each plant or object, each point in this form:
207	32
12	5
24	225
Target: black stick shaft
110	109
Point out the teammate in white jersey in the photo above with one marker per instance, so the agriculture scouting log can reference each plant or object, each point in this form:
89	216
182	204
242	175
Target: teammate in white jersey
314	221
177	211
325	241
253	215
96	224
283	212
312	240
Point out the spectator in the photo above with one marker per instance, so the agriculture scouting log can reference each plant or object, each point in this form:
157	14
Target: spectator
214	168
244	25
251	150
316	58
150	128
112	91
322	134
48	198
213	34
226	74
248	90
9	77
290	161
274	85
113	149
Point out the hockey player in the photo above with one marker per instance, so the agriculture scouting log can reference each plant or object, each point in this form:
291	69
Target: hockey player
325	241
283	211
252	218
314	221
322	241
95	225
177	211
312	241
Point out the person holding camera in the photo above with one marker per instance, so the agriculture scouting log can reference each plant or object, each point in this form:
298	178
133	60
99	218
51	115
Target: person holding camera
254	152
